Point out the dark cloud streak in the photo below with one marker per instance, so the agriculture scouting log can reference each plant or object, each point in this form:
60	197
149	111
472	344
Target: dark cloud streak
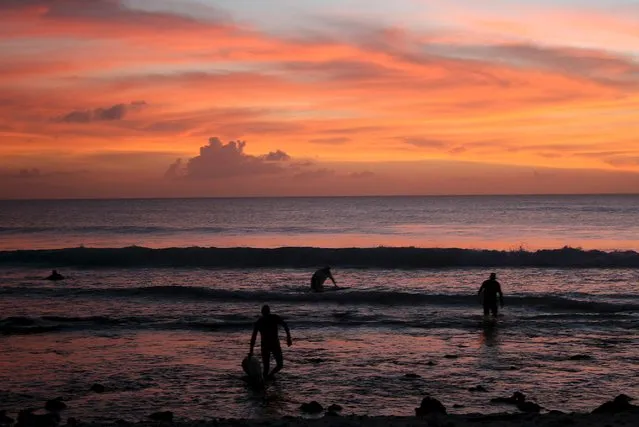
113	113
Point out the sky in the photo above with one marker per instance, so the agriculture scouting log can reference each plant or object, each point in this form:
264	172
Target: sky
199	98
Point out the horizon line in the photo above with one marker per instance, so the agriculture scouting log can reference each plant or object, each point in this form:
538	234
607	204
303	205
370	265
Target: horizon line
320	197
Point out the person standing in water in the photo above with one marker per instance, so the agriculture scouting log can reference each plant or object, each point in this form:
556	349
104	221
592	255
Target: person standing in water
267	325
319	277
490	289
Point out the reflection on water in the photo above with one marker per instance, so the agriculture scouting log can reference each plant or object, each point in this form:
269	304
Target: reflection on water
490	333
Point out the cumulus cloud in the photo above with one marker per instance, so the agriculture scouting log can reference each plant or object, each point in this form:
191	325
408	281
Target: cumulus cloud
220	160
277	156
115	112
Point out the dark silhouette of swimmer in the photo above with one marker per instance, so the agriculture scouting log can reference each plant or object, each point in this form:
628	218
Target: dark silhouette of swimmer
319	277
55	276
491	288
267	325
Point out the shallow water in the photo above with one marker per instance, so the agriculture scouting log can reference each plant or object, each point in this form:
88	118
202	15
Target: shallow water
173	339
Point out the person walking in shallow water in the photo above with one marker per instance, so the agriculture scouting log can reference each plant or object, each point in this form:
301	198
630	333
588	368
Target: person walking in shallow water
490	289
267	325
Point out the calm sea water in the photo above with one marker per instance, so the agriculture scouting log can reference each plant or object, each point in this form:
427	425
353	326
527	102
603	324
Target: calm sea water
481	222
169	334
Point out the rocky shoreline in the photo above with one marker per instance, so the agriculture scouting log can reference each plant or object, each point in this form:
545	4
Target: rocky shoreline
617	412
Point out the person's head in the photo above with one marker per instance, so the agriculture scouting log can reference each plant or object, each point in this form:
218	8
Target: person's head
266	310
493	276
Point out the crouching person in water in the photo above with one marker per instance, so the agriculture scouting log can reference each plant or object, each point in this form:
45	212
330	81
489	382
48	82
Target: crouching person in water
267	325
319	277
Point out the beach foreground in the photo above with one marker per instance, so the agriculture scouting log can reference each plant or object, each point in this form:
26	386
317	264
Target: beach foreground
617	412
553	419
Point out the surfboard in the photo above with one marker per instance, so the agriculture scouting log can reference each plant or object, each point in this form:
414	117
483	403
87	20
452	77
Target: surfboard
253	369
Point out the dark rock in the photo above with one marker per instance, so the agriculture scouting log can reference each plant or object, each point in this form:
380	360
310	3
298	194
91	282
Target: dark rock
451	356
55	405
581	357
411	375
162	416
624	397
530	407
4	419
457	406
517	397
431	363
26	418
312	407
491	418
620	403
98	388
430	405
316	360
479	388
334	407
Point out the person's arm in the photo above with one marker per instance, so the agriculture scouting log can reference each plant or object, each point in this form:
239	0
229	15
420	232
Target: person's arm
481	288
253	338
330	276
289	340
501	295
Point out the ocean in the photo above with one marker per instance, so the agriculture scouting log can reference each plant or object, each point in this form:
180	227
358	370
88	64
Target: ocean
161	296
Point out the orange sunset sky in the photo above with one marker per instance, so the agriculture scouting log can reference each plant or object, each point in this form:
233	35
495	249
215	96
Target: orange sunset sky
177	98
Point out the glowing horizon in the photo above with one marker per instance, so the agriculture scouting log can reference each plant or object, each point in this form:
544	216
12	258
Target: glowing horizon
101	98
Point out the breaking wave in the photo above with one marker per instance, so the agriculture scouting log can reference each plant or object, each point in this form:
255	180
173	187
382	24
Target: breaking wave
346	297
305	257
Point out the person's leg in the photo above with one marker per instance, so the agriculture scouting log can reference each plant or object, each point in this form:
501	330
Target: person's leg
266	360
279	361
494	309
486	309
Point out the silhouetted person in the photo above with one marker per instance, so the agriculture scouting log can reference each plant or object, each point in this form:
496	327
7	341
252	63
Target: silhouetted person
319	277
55	276
267	325
491	288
